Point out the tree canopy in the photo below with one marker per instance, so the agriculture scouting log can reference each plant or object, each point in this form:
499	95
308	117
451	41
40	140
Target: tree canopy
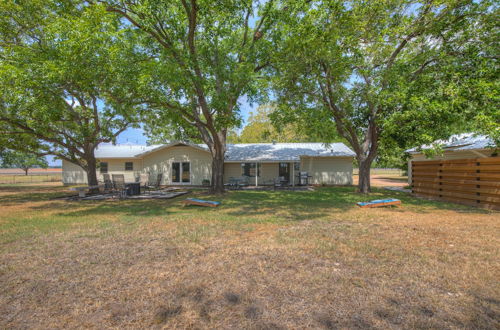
66	79
24	161
204	56
386	74
260	128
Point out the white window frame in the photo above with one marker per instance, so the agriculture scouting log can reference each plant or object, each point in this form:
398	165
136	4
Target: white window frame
180	173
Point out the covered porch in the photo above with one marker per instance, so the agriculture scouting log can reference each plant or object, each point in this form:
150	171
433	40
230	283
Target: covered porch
263	173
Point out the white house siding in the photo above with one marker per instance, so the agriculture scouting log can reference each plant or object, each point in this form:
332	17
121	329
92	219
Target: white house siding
117	166
231	170
161	162
448	155
269	171
328	170
74	174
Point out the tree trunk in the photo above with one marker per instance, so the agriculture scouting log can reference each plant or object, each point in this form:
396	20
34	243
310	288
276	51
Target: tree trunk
217	184
92	174
364	176
26	171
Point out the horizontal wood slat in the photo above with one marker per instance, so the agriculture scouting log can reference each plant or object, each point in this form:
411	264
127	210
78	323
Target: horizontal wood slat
472	189
487	160
461	195
474	181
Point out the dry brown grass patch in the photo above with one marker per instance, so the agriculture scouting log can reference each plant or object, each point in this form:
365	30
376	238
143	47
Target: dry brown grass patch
130	265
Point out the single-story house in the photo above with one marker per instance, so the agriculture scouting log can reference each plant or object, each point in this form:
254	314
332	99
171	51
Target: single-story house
183	163
460	146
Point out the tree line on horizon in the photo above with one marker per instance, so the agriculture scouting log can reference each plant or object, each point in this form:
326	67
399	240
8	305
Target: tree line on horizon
380	76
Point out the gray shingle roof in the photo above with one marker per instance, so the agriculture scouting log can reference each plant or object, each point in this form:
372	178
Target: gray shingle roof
466	141
284	151
239	152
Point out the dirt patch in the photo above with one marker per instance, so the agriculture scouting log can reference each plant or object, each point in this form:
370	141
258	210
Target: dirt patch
384	180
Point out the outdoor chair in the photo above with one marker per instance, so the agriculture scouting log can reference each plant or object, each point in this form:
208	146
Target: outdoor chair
119	186
243	182
144	181
108	184
155	185
232	183
280	182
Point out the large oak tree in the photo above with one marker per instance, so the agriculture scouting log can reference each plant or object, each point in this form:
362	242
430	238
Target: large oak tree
386	73
205	55
66	80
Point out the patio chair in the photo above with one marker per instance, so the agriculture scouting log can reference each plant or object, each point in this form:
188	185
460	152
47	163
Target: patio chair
119	185
243	182
155	185
232	183
108	184
144	181
280	182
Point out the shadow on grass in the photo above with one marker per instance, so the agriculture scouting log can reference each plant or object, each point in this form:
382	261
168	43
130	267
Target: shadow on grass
327	199
310	204
298	204
48	195
119	207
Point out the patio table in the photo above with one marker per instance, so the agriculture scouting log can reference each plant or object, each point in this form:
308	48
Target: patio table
133	188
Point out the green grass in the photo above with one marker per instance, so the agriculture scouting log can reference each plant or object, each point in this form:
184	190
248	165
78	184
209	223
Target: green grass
239	210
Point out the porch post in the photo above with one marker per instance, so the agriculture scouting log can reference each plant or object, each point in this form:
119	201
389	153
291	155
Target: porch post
293	175
256	174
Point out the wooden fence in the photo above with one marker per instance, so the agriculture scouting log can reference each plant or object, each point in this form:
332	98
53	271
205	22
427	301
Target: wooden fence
473	181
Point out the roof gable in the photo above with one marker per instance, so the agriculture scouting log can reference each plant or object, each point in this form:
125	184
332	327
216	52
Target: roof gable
201	147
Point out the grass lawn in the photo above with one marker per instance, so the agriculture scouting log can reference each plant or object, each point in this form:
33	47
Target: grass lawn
263	260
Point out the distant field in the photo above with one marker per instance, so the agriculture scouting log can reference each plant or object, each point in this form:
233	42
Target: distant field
31	171
16	175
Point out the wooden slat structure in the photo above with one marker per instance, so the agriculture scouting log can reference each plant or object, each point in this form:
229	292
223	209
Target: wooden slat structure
474	181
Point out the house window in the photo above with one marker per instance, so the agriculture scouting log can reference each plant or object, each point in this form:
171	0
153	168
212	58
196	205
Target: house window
296	166
129	166
103	166
248	169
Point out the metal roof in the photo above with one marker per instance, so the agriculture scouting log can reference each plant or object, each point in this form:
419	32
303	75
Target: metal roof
465	141
237	152
121	150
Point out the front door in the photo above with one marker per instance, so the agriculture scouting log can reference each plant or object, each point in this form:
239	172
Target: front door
284	171
181	172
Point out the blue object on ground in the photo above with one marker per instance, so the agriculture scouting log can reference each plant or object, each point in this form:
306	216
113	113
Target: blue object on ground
203	201
380	201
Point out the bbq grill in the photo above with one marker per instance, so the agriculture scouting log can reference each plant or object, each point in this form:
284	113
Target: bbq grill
303	178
